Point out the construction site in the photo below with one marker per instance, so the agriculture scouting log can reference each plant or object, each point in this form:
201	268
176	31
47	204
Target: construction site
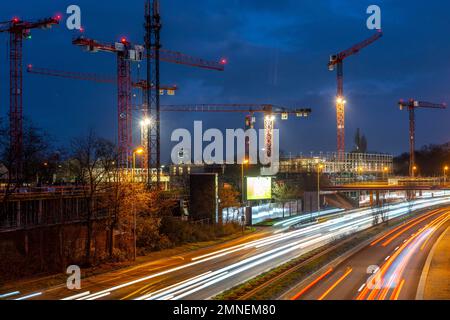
73	200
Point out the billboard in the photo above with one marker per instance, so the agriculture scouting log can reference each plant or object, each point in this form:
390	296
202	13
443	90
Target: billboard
259	188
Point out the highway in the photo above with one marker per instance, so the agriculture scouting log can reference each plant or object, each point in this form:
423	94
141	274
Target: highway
389	268
204	273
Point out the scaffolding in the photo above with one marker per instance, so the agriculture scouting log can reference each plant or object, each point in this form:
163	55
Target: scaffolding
377	164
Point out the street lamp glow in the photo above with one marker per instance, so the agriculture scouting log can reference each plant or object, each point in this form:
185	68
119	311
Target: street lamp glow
139	150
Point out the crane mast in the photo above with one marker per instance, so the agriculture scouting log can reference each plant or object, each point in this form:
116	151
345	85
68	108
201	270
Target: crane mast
411	105
18	31
152	127
337	62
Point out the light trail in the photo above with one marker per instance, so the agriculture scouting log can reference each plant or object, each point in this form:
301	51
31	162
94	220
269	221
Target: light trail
80	295
309	238
312	284
10	294
389	276
29	296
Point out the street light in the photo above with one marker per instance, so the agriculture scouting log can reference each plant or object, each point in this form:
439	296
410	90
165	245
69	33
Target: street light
242	178
445	174
139	151
385	172
319	169
414	171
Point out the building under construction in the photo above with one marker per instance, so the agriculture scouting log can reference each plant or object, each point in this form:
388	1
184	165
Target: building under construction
352	166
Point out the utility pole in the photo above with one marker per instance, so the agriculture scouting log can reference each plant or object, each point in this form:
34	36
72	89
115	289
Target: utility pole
319	169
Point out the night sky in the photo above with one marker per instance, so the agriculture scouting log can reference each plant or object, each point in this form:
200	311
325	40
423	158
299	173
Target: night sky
278	53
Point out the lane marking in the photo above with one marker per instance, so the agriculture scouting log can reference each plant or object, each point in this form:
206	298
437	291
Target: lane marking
335	284
312	284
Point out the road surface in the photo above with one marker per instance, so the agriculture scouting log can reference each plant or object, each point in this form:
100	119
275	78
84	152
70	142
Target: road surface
389	268
206	273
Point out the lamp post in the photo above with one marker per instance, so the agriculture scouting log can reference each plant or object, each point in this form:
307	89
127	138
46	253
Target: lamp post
139	150
319	169
242	179
414	171
445	174
385	172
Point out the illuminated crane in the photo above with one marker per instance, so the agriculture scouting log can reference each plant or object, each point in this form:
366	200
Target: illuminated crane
155	54
337	62
270	112
411	106
19	30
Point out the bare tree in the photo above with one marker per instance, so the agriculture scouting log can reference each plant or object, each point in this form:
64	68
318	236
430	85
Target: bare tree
92	160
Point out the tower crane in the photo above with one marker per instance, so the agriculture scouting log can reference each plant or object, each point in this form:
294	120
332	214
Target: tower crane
411	105
270	112
337	62
154	55
18	31
125	53
140	84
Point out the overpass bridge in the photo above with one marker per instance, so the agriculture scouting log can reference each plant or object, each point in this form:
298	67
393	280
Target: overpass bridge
376	191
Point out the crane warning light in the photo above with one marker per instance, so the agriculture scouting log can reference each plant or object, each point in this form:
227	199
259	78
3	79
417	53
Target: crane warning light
58	17
123	40
223	61
15	20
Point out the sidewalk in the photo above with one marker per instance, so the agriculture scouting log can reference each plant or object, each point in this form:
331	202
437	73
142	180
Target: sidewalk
437	285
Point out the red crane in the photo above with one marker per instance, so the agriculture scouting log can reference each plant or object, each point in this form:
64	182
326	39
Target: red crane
269	111
337	61
18	31
125	53
411	105
141	84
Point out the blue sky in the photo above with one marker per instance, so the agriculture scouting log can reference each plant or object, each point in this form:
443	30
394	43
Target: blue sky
278	53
